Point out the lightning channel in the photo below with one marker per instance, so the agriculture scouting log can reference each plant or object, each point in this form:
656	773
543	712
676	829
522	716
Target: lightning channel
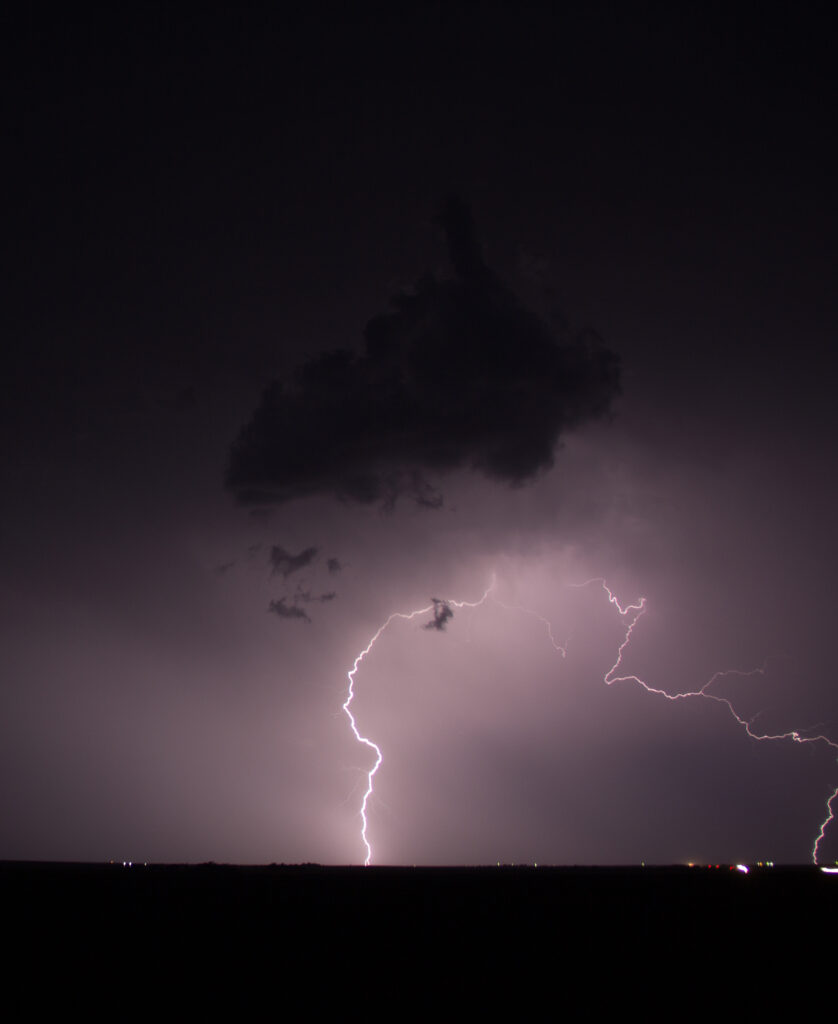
631	614
824	825
557	645
350	696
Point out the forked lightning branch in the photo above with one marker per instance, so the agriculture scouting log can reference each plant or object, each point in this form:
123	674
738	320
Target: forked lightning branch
630	615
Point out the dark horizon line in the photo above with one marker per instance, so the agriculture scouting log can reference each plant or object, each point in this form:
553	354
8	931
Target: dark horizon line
506	866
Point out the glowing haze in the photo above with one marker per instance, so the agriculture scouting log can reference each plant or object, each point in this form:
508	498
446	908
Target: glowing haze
630	613
266	390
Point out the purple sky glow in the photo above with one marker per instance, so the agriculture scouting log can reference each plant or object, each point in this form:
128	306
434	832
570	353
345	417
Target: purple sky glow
193	562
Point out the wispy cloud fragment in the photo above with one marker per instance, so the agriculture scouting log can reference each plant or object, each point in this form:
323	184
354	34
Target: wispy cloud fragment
442	612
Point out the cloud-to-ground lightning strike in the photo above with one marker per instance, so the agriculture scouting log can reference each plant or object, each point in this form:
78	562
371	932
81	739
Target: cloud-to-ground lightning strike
430	608
630	614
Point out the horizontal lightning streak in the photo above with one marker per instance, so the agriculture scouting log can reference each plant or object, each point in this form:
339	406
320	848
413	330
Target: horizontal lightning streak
632	613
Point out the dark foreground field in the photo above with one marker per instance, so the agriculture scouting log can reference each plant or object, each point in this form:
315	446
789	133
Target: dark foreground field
589	936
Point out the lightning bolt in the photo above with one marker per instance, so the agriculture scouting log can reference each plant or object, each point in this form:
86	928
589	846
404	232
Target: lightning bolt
548	625
631	615
825	823
350	675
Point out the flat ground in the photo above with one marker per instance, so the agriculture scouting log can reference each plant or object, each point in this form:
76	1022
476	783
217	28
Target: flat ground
479	933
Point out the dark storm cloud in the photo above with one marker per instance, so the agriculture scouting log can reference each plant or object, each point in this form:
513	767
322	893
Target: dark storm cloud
288	611
333	565
459	374
442	613
283	562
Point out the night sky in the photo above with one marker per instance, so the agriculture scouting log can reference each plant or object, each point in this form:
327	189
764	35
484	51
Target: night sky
309	319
